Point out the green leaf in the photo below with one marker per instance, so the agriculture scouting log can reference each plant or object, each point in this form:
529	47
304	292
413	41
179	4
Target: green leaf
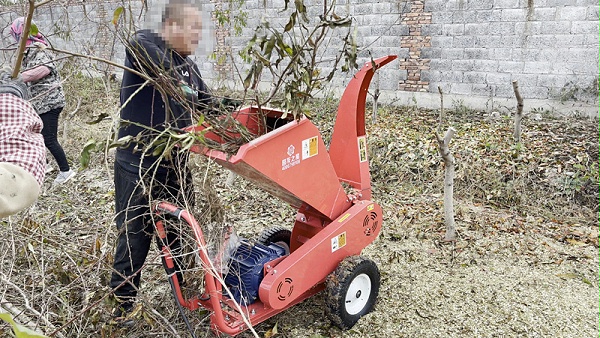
300	8
257	73
201	120
290	23
269	46
19	330
262	59
122	142
306	78
159	149
33	30
248	79
284	47
117	14
84	158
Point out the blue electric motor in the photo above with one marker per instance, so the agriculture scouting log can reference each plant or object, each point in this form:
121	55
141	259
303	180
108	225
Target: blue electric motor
246	269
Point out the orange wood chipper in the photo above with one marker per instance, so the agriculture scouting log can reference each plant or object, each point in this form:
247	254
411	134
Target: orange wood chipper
336	219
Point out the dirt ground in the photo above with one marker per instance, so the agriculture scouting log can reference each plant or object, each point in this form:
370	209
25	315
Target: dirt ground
525	263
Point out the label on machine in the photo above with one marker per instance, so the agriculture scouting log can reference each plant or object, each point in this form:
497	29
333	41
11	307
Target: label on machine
362	148
338	242
310	147
293	158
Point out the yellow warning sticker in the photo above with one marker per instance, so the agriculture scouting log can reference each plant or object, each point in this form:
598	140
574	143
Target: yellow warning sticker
362	148
310	147
338	242
343	218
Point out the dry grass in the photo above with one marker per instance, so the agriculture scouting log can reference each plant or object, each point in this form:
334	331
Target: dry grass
525	263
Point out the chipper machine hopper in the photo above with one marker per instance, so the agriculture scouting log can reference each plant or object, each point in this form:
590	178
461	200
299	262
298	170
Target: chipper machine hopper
336	219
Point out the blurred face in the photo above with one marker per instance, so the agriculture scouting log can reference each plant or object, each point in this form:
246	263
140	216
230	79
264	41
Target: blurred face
184	35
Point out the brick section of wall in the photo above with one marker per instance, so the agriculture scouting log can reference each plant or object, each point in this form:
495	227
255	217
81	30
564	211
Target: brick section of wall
415	42
105	38
222	66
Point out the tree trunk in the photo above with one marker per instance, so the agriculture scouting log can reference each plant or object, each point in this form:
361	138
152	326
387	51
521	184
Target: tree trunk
441	109
23	41
519	114
448	184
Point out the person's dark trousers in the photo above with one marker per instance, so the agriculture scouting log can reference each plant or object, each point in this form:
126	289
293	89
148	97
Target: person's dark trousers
50	134
135	224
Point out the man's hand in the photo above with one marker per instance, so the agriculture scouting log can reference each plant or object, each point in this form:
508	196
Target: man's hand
190	94
231	103
13	86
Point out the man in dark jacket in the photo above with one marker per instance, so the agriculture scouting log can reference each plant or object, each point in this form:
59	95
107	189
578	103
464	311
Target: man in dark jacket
142	174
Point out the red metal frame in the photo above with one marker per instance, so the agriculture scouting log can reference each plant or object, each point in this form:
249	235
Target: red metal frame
292	163
348	148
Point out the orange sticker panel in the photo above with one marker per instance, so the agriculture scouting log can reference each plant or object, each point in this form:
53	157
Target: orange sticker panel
310	147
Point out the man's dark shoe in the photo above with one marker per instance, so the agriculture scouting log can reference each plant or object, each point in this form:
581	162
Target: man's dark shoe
122	314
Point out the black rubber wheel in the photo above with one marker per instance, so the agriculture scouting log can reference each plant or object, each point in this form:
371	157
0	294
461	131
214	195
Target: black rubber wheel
352	291
277	235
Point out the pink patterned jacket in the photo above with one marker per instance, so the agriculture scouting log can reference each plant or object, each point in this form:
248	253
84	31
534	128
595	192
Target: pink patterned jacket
21	143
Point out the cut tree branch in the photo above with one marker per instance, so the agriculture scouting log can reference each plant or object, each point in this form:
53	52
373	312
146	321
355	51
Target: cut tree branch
519	114
23	41
94	58
443	146
70	115
449	162
26	304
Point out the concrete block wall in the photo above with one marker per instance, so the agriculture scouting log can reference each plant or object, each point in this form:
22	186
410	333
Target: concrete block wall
376	24
80	27
549	47
472	49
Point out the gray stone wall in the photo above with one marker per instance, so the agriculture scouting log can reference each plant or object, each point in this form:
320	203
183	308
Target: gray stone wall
80	27
471	49
479	47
